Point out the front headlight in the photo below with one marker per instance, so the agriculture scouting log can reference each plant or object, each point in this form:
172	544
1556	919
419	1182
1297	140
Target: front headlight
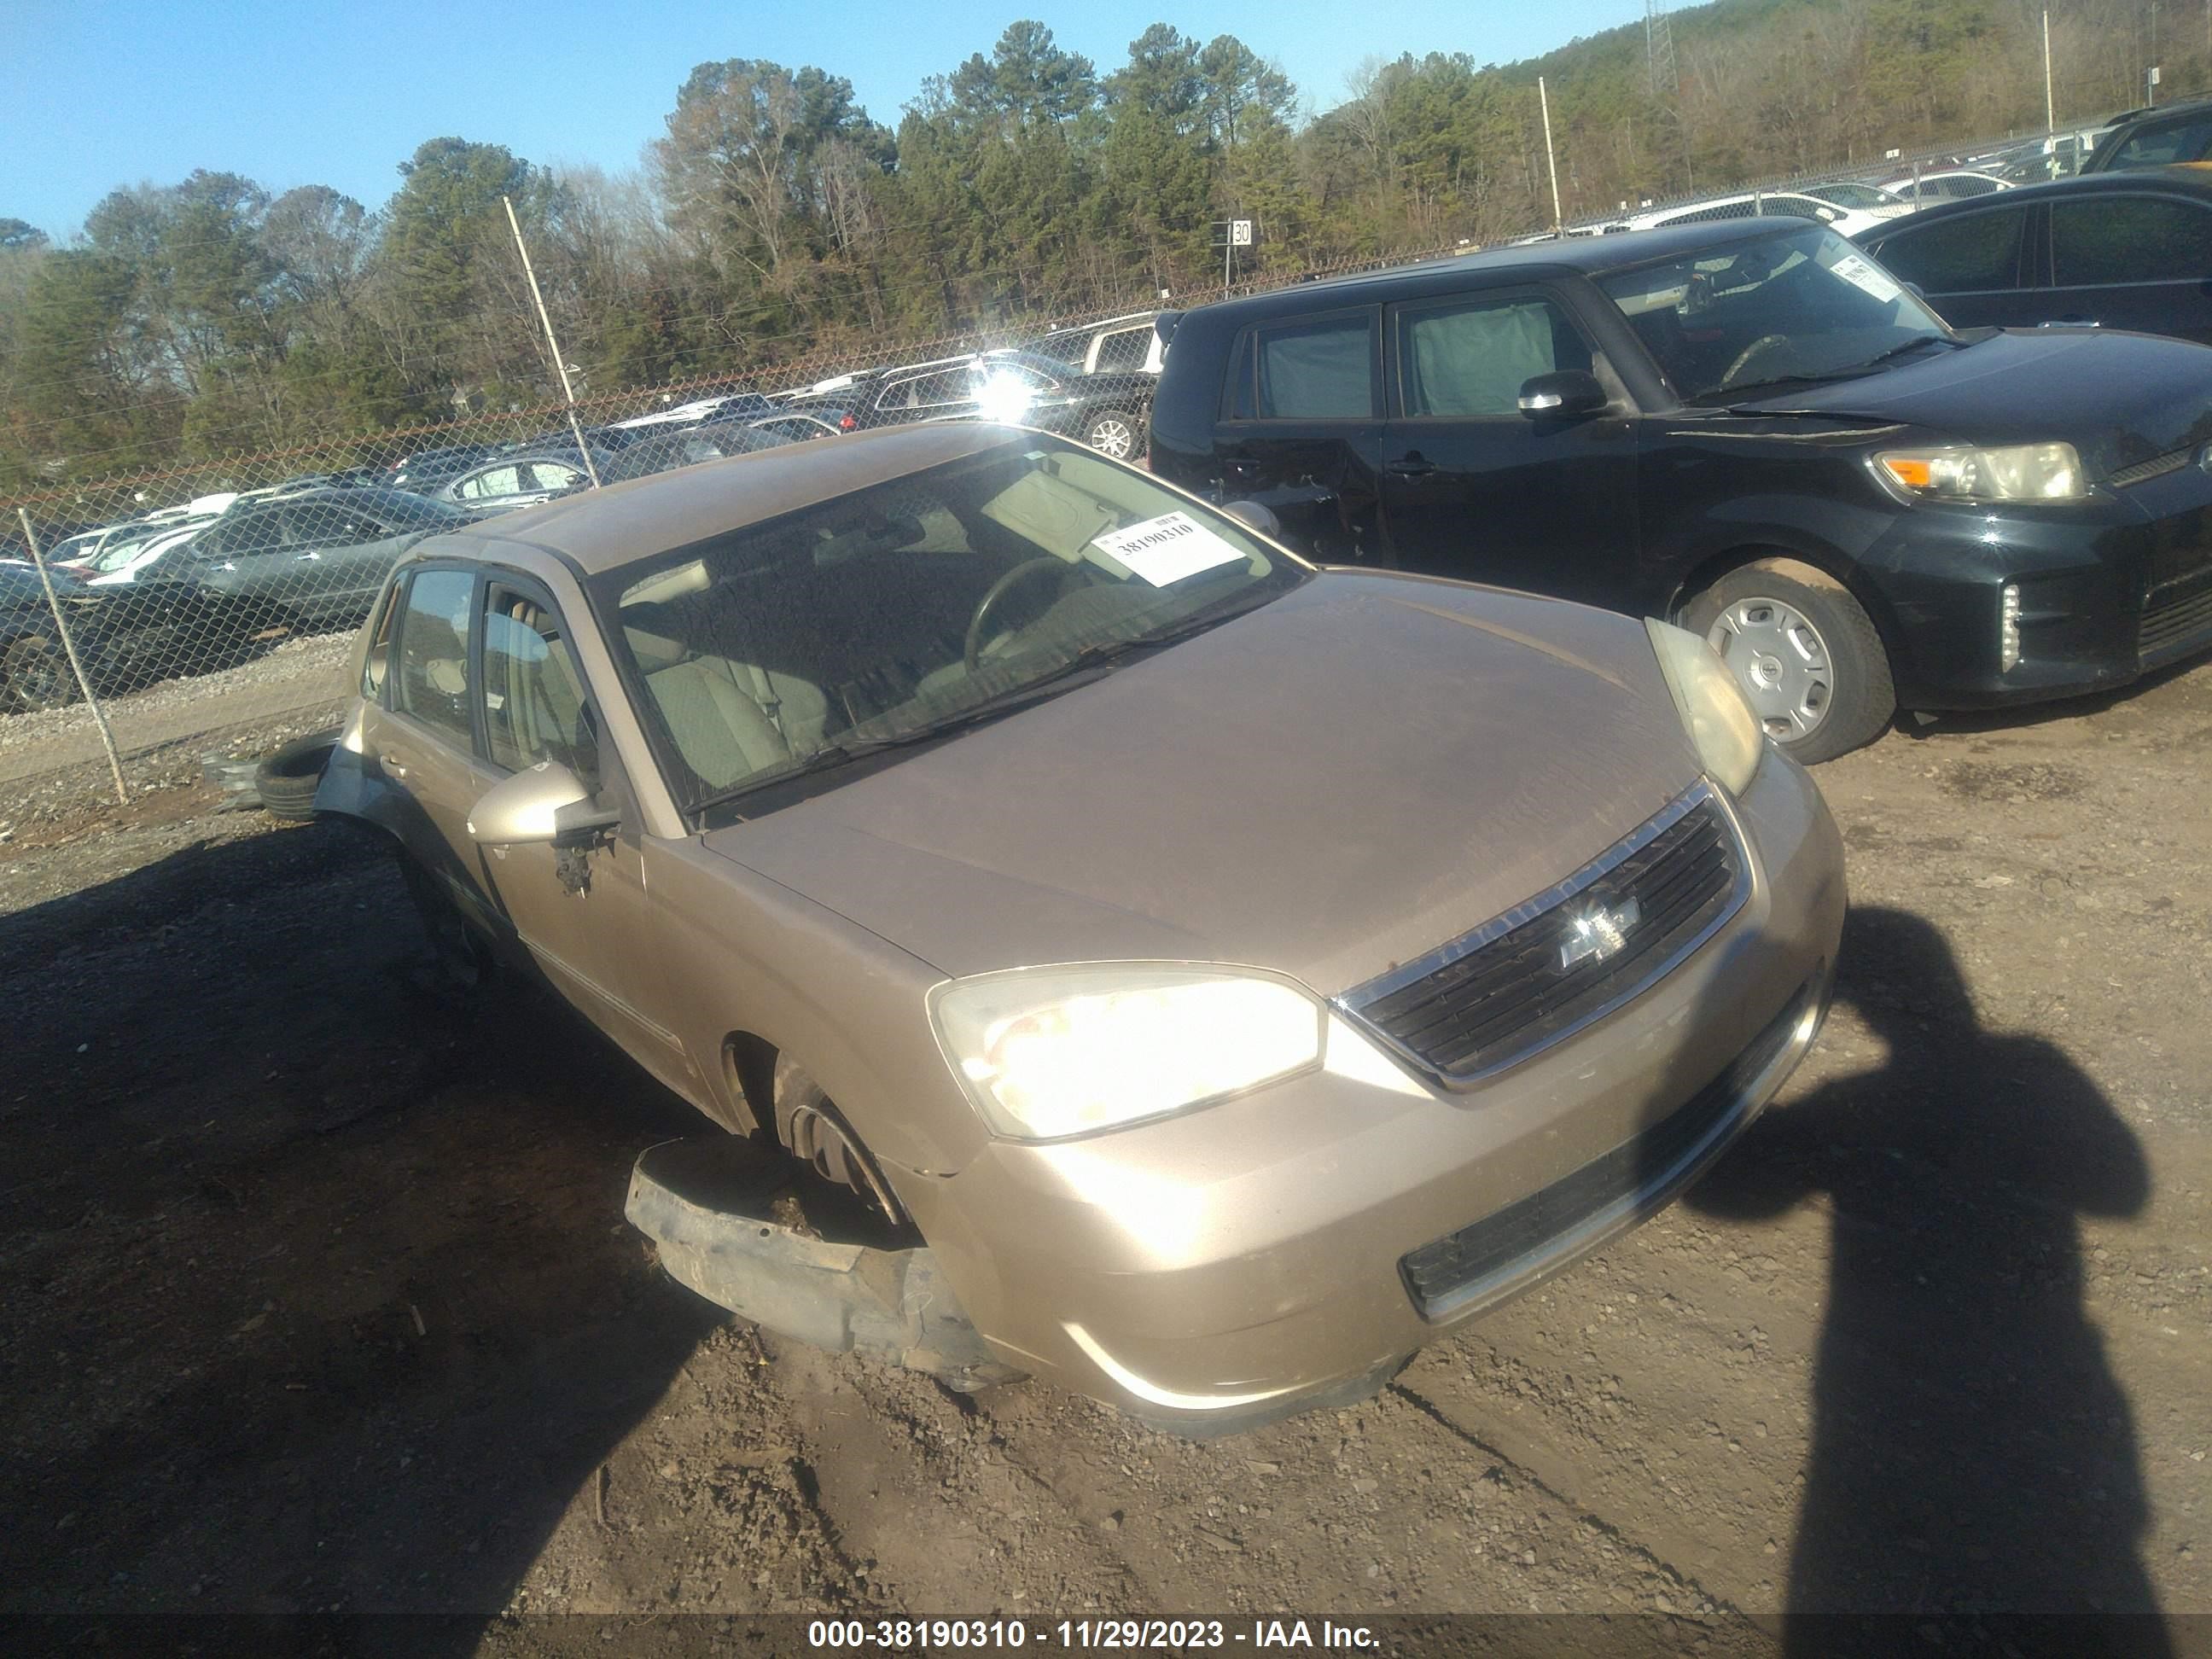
1048	1051
1721	727
2018	472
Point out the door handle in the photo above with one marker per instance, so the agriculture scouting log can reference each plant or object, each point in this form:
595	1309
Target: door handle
390	763
1411	467
305	557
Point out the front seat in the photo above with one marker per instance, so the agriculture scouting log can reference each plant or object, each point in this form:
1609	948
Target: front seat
723	734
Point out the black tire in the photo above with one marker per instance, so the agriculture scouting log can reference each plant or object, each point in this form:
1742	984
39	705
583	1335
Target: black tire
287	781
1813	714
811	1129
35	673
464	962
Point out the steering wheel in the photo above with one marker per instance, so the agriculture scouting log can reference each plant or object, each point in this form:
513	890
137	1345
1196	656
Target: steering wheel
1764	343
1028	569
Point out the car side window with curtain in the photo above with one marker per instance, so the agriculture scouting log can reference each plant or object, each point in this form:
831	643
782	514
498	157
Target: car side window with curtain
2129	239
1319	370
533	690
433	682
1471	359
1972	253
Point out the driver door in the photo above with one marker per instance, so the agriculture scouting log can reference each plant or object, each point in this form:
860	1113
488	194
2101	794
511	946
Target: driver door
1472	488
581	911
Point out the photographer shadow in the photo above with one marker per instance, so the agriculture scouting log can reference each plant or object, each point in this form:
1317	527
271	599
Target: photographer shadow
1971	1453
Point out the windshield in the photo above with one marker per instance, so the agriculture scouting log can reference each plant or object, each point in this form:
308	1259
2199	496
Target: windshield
884	615
1782	309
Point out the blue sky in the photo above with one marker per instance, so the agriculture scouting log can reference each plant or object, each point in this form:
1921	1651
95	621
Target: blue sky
104	93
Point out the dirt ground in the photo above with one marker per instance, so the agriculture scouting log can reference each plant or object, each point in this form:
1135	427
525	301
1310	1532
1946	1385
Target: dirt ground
315	1291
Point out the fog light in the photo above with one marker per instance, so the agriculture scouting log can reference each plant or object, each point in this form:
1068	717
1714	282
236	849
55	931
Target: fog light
2009	628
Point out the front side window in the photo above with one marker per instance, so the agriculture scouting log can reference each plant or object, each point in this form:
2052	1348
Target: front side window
2158	146
2129	239
1471	359
1322	370
1803	306
433	682
533	691
553	474
898	612
1973	254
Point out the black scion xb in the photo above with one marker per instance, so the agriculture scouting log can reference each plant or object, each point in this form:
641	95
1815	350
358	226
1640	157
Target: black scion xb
1754	430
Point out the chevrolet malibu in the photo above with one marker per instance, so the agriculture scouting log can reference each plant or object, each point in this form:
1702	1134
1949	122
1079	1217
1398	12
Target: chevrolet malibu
1237	973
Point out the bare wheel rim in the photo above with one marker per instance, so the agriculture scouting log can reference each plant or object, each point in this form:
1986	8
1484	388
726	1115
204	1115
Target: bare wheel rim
1110	435
1780	660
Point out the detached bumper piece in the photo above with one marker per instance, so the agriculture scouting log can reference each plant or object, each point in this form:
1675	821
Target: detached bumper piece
707	1205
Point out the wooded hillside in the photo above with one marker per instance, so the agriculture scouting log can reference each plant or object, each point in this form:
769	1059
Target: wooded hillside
774	216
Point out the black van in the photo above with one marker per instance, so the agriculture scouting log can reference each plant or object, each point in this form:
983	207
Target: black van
1751	428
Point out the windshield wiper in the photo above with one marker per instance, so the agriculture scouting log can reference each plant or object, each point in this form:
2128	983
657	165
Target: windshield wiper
1912	344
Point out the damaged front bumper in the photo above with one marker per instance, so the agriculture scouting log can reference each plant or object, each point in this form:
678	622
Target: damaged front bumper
707	1205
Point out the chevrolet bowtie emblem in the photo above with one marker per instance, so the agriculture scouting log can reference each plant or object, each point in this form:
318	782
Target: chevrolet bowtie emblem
1599	932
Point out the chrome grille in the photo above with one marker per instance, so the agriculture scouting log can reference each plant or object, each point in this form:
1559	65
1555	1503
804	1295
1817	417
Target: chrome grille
1529	978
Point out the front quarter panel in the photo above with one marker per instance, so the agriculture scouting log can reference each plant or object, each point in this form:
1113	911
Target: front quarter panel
744	954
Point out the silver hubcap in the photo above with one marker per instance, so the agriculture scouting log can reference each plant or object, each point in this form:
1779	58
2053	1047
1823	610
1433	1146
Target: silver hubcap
1112	437
1780	660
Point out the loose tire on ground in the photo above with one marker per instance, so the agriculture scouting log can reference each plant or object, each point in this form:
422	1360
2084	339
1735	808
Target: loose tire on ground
1805	652
286	781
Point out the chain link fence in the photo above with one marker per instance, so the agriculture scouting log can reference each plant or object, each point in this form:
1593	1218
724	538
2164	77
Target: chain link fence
212	596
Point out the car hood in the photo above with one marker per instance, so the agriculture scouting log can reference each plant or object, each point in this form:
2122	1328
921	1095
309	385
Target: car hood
1329	786
2118	398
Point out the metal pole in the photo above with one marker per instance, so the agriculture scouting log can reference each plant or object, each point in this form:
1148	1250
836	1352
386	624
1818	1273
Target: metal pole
2050	111
1551	162
1227	249
68	645
559	361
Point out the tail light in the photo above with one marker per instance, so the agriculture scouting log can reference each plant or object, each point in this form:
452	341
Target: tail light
847	424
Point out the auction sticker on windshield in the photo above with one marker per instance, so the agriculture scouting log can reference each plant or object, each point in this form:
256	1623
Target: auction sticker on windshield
1165	550
1861	275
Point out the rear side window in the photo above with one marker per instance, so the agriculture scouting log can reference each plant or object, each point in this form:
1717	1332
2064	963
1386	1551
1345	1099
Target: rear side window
2129	239
1124	349
1470	359
1973	253
433	683
1323	369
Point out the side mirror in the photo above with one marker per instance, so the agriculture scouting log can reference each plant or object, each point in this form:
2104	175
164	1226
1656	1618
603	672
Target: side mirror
1569	391
546	803
1260	517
